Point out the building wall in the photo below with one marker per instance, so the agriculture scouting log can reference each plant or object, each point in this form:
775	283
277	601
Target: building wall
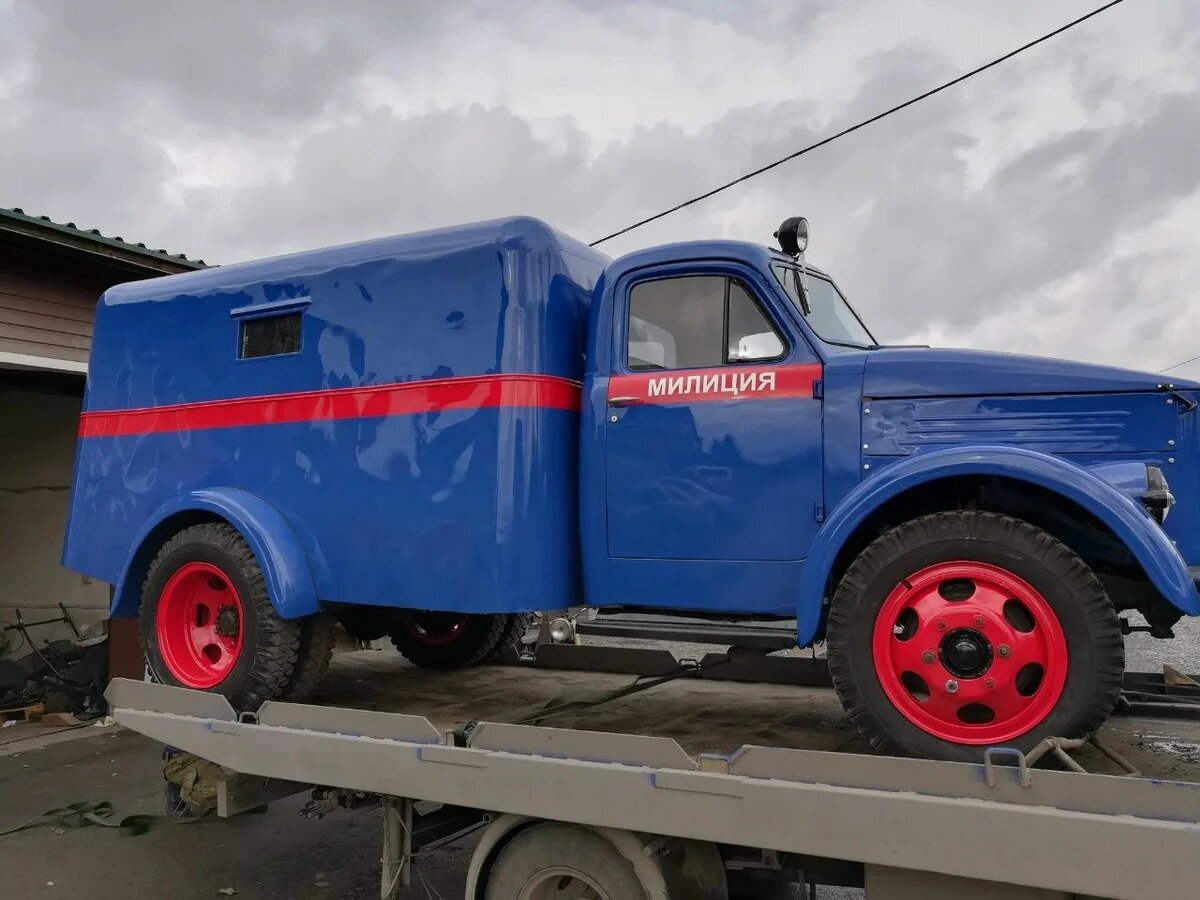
47	306
49	285
40	415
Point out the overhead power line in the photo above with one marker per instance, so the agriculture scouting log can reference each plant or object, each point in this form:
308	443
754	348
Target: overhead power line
863	124
1178	364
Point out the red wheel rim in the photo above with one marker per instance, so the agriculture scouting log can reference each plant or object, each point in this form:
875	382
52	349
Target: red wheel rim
435	629
970	653
199	625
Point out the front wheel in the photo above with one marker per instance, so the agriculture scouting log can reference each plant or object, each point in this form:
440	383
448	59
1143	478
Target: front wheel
207	621
962	630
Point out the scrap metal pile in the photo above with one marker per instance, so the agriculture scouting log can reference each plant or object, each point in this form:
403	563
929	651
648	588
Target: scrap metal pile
66	676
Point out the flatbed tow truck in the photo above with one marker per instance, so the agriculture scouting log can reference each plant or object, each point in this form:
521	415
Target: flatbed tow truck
735	775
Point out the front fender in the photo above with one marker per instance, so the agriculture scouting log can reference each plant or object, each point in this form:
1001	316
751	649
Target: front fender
285	567
1146	541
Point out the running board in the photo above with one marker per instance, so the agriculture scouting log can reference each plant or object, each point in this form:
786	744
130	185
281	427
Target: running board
753	635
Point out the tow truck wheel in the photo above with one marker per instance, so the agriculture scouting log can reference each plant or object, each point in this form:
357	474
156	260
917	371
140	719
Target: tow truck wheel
448	640
552	860
208	623
962	630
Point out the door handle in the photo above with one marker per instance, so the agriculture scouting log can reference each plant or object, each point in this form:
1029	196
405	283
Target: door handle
623	401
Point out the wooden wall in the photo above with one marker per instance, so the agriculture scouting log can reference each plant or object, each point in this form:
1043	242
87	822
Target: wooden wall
47	306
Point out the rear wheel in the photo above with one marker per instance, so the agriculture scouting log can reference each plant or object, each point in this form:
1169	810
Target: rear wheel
208	623
445	640
312	658
961	630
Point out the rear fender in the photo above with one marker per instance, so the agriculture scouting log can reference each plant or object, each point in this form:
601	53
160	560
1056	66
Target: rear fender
1146	541
285	567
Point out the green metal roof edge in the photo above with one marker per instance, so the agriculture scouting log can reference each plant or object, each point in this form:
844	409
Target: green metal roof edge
94	235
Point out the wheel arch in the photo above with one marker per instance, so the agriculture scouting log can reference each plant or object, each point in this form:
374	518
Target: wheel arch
285	566
908	488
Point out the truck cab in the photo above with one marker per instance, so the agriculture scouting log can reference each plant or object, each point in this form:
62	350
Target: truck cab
703	419
431	436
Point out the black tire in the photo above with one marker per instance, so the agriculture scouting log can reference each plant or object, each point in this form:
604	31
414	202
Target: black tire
317	634
269	645
365	623
1094	646
552	850
481	638
507	650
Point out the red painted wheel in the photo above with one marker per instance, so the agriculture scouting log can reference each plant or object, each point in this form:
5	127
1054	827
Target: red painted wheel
970	653
199	625
208	623
963	629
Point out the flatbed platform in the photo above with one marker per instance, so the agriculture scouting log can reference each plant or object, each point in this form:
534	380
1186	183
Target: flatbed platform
703	716
775	768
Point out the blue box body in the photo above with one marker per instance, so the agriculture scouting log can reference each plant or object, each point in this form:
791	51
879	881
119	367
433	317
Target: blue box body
418	509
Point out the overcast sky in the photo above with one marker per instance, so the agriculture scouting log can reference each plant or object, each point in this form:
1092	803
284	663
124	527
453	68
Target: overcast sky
1049	206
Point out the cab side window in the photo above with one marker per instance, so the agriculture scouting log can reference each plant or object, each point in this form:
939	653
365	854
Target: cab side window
698	321
750	335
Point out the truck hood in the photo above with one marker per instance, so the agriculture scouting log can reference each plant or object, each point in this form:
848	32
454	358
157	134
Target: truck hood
936	372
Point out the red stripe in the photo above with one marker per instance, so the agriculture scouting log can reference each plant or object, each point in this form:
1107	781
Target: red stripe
437	394
721	383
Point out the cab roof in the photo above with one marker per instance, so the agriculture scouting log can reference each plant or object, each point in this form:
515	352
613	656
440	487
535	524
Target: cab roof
740	251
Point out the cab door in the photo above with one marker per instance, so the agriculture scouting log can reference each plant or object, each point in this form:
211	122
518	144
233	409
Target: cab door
713	433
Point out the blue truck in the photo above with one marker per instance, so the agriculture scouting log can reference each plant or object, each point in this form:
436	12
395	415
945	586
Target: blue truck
432	435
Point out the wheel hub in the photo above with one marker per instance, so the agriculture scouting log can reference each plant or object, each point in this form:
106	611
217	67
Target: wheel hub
965	652
198	625
970	653
229	623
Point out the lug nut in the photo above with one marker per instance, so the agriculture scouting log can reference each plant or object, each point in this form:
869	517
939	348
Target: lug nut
941	625
989	684
927	656
1003	650
978	621
952	686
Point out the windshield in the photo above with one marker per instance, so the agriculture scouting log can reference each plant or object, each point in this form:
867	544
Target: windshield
830	316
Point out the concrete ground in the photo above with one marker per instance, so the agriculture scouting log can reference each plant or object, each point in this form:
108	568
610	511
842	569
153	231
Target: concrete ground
279	854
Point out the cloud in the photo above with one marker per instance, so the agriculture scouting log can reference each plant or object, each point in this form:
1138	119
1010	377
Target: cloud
1049	205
